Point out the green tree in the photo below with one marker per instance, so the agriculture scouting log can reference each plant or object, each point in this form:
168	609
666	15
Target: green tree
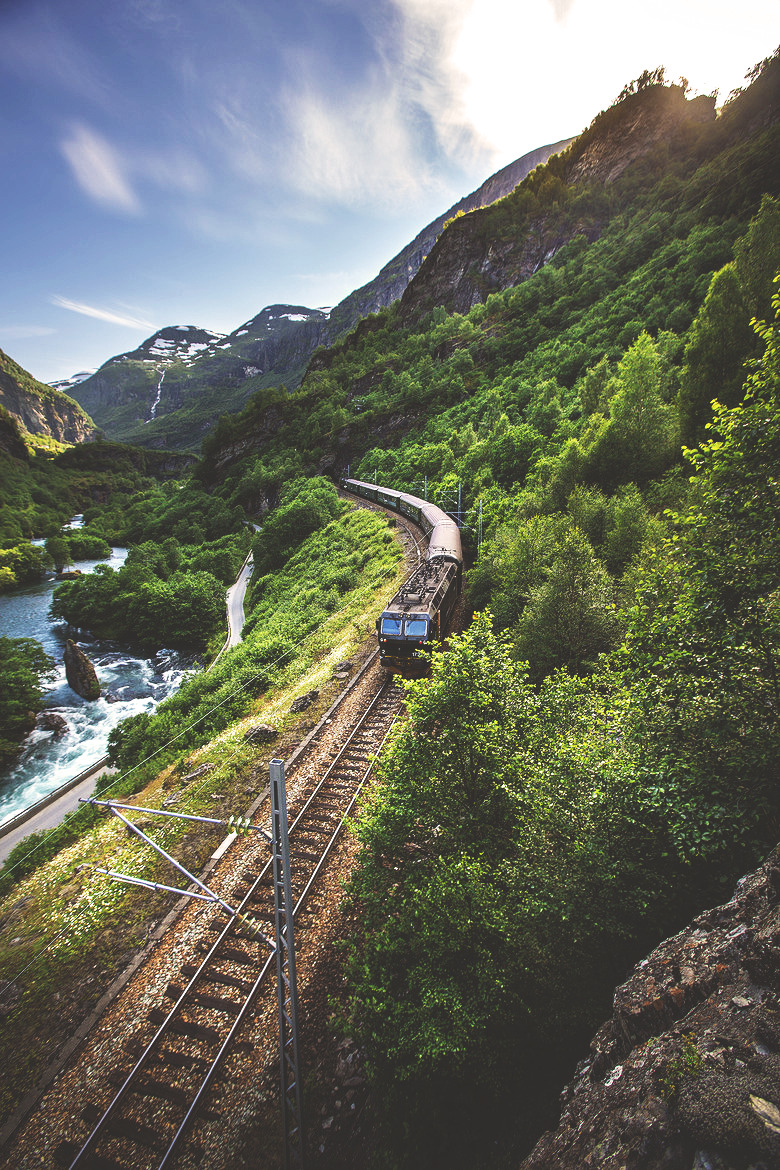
23	666
307	505
702	649
641	439
59	550
720	340
571	618
757	257
500	866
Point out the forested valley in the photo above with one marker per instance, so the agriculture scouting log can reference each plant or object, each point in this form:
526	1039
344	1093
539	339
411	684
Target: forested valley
594	759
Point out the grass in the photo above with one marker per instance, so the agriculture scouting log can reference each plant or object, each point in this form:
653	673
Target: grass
91	925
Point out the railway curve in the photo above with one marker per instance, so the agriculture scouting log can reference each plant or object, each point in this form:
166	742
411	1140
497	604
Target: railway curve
129	1076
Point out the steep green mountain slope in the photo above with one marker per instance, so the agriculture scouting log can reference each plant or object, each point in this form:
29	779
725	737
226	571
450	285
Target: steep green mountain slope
636	251
43	413
596	759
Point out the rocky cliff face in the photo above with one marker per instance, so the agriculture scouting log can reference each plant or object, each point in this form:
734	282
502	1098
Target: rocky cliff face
480	254
39	409
686	1073
393	279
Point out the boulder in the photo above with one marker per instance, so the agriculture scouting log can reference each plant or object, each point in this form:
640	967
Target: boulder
263	733
686	1073
80	672
51	721
201	771
304	701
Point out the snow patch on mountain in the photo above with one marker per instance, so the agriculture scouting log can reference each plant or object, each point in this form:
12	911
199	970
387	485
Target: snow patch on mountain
66	383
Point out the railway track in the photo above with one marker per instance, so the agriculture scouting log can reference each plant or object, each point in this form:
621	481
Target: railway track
163	1077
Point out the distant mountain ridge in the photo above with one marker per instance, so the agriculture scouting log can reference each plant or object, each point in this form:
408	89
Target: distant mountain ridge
170	391
392	280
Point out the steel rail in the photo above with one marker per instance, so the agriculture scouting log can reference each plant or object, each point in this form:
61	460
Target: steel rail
205	1085
200	975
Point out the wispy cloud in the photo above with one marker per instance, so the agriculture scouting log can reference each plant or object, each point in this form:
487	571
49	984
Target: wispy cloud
101	314
99	169
21	332
383	135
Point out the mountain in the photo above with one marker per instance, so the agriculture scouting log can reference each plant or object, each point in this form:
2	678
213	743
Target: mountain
170	391
66	384
621	232
469	262
393	279
41	411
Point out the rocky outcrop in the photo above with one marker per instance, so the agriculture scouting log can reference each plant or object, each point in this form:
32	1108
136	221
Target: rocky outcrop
486	252
51	721
80	672
262	733
392	280
39	409
686	1074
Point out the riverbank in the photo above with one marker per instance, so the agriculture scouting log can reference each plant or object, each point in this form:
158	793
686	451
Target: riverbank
130	684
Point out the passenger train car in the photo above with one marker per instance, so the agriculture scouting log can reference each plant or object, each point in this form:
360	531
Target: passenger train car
421	610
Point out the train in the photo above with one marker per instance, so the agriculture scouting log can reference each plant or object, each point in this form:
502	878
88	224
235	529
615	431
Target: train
421	611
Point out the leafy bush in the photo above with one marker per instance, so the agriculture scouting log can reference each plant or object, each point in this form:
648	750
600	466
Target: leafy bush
23	664
306	506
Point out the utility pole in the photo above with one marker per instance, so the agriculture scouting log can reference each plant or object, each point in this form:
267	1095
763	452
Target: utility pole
286	986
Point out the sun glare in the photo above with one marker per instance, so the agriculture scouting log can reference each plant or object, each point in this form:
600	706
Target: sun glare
540	70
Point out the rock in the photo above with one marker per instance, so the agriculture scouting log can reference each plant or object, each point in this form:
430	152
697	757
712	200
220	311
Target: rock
50	721
687	1071
201	771
304	701
80	672
263	733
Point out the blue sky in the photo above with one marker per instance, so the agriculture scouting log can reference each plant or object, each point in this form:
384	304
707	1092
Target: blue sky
183	162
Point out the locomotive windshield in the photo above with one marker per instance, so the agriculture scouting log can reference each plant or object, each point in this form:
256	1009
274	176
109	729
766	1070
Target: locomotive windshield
416	628
391	626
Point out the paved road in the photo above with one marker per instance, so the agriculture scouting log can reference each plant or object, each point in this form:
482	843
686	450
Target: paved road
54	812
50	816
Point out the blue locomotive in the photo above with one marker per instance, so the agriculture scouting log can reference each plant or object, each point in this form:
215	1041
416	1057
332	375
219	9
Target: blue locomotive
420	612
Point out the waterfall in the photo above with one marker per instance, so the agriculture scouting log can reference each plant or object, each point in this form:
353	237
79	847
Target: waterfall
156	403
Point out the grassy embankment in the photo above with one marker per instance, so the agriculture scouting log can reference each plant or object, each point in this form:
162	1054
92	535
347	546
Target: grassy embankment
300	629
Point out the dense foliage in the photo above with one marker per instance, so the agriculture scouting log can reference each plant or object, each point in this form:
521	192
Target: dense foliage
23	666
523	842
295	611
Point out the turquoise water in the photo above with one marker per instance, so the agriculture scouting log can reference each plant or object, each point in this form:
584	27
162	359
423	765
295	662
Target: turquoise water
130	685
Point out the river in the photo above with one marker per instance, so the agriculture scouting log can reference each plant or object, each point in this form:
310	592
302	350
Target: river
129	684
